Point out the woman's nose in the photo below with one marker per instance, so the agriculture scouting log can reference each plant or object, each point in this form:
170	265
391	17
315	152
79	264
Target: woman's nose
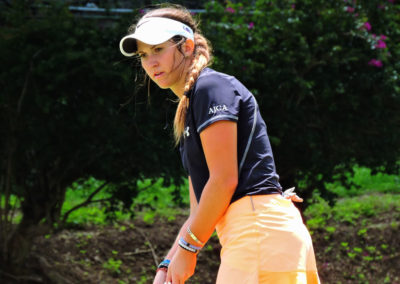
153	62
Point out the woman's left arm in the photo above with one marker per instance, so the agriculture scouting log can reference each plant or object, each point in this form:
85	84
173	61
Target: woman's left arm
219	141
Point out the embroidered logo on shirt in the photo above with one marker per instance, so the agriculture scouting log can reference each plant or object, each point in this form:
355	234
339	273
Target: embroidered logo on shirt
215	109
186	132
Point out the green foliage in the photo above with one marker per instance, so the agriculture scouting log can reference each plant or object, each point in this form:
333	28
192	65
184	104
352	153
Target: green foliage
113	266
350	210
371	195
319	212
309	65
154	199
94	213
361	180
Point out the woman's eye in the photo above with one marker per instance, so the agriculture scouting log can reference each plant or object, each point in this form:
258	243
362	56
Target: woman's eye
157	49
142	55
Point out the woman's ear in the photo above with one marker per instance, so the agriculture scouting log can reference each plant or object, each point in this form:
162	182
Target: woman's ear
188	47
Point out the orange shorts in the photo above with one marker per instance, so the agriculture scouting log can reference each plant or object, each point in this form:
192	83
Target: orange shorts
264	240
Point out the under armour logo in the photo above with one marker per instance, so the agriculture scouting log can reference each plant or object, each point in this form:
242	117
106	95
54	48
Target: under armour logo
186	132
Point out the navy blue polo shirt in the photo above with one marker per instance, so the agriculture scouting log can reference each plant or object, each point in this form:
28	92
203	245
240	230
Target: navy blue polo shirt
217	96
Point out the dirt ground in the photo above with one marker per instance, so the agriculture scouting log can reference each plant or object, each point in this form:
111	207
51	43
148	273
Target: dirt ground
368	252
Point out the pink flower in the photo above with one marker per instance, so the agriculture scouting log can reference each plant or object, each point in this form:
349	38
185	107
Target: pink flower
375	63
381	44
141	11
350	9
293	6
373	35
368	26
230	10
356	15
251	25
381	6
383	37
391	1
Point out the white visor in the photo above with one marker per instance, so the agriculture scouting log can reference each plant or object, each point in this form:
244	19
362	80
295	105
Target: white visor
154	30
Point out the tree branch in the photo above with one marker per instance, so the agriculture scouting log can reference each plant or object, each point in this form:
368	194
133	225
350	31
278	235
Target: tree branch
23	278
155	257
86	202
25	87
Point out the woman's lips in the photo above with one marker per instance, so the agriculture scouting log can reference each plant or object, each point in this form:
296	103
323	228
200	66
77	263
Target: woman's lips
157	75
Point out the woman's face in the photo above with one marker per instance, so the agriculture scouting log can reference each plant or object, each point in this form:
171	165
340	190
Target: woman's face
164	64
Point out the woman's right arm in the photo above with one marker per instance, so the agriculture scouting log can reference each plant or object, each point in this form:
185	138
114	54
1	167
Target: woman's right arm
161	275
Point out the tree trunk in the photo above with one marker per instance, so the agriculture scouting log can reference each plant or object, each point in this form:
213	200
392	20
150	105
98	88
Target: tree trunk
41	209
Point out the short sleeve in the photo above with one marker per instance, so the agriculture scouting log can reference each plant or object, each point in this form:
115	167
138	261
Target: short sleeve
214	99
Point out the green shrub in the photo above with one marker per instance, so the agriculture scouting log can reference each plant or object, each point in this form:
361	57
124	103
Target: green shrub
361	180
154	199
325	74
350	210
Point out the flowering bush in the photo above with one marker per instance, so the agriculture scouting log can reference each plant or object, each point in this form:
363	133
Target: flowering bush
326	76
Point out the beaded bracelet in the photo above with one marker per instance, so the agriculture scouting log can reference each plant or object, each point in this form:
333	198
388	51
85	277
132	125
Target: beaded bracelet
189	247
193	236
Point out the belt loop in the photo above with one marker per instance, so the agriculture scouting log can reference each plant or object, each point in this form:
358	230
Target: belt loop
252	204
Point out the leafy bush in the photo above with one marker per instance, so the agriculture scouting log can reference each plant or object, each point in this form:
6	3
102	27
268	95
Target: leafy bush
370	196
318	213
361	181
325	74
349	210
154	199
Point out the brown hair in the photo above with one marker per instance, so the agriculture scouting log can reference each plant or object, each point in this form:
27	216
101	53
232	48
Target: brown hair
202	57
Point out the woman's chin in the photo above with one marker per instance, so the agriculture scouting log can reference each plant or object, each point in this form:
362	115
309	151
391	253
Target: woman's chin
162	86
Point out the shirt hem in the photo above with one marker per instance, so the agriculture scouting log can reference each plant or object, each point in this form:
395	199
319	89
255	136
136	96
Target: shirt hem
215	119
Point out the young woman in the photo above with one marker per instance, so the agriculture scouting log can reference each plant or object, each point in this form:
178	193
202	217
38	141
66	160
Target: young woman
226	152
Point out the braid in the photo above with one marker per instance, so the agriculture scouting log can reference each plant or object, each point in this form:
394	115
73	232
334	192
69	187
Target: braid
202	54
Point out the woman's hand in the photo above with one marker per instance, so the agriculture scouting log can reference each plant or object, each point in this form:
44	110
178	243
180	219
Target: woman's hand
181	267
160	278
